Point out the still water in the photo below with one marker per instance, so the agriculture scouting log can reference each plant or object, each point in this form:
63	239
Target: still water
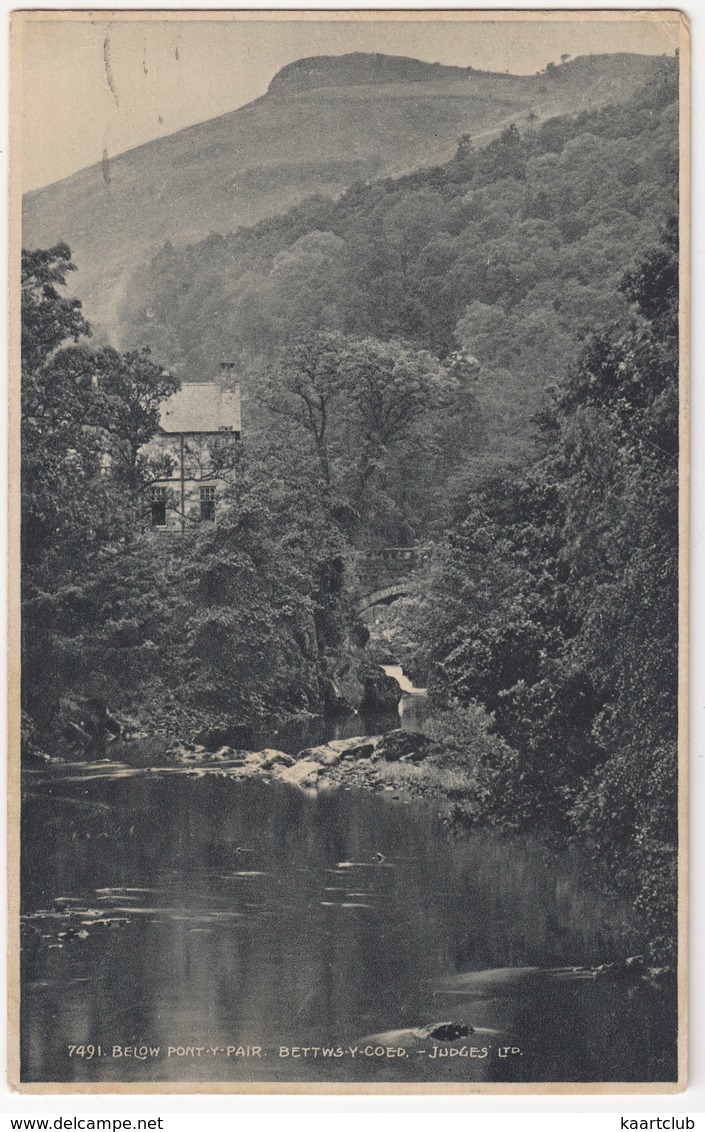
168	910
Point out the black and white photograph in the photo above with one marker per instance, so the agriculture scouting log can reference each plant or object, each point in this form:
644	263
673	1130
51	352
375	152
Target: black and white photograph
349	414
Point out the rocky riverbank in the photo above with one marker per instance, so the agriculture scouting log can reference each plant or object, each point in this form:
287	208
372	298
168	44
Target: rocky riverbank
89	725
396	761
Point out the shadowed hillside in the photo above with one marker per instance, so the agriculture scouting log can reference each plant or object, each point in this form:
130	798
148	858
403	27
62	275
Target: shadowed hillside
325	123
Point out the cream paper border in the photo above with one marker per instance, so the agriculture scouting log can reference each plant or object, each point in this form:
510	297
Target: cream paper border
19	19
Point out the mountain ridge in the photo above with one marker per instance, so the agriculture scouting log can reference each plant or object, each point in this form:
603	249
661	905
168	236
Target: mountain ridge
263	158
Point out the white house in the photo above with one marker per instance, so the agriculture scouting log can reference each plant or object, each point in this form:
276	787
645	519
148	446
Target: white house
197	427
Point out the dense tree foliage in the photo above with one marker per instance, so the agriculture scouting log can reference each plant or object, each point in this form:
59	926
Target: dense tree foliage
553	599
268	614
387	424
79	407
85	413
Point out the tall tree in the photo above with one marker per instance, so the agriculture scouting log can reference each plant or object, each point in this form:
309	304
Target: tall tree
85	414
49	318
384	419
304	387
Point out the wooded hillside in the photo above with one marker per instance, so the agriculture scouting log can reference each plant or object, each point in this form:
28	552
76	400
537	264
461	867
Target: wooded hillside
511	254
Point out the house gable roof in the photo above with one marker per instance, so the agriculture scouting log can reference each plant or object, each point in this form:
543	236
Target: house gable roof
201	407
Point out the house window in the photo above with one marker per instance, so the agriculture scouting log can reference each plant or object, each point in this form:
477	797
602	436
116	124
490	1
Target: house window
208	504
158	506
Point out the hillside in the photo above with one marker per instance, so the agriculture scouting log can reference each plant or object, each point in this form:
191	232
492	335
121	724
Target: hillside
325	123
512	252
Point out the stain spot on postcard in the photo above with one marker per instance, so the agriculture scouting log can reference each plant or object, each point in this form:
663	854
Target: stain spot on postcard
109	68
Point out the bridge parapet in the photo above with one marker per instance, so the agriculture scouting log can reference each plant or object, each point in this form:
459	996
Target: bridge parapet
393	554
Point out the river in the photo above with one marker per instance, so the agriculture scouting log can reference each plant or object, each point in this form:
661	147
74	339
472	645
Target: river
248	920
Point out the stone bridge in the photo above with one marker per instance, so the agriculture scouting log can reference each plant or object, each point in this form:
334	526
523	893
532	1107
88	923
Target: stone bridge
386	574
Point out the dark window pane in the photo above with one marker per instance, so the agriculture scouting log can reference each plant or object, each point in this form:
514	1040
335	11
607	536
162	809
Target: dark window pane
208	504
158	506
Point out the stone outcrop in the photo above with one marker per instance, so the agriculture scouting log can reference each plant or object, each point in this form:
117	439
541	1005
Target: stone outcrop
411	746
303	773
303	770
358	761
381	693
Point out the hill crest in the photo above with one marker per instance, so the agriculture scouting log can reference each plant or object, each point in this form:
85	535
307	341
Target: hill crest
327	122
359	68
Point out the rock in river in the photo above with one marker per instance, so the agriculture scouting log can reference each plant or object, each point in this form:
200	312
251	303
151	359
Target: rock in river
303	773
446	1033
409	745
271	758
382	692
328	754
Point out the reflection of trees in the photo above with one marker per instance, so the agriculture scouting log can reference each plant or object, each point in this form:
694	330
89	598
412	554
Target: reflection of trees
274	964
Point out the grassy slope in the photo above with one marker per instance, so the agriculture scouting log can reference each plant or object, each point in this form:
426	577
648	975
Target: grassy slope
296	140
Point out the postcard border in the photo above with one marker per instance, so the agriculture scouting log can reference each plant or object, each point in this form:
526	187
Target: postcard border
18	19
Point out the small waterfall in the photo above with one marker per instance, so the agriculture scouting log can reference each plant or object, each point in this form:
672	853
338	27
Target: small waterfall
397	673
411	711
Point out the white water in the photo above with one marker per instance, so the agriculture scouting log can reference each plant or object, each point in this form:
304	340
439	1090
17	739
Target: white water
397	673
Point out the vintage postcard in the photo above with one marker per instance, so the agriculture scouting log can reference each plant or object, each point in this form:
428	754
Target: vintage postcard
349	392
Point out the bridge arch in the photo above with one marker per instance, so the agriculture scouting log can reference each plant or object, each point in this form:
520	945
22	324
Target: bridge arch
384	596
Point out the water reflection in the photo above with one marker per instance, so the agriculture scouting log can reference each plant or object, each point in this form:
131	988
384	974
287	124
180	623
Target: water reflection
411	715
413	712
181	912
300	734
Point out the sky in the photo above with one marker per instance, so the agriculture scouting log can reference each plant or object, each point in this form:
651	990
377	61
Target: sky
88	86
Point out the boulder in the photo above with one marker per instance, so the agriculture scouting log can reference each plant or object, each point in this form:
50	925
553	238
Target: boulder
446	1031
229	734
324	755
188	757
253	758
303	773
365	750
347	679
328	754
409	745
271	757
334	701
381	693
351	744
435	1031
222	754
237	759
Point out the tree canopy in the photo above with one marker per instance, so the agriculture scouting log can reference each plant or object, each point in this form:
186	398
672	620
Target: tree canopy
552	600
